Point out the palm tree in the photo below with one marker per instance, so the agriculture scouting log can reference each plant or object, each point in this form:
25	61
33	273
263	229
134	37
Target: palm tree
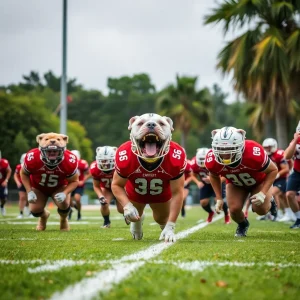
188	107
264	59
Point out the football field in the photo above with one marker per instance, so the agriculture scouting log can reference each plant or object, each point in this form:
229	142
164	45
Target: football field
90	262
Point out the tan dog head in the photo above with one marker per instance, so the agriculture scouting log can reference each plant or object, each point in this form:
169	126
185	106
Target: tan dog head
150	136
52	146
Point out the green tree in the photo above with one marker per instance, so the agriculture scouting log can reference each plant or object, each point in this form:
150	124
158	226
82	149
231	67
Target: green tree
187	106
264	59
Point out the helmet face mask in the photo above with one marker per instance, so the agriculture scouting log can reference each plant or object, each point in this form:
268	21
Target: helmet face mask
270	145
200	157
52	155
228	145
105	158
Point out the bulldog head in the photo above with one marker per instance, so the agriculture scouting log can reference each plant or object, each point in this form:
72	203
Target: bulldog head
150	136
52	146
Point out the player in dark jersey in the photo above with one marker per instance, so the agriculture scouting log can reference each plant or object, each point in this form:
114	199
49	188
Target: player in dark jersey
150	170
247	169
293	184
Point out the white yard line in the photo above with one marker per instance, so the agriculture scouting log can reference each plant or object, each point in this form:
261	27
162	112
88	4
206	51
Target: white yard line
104	280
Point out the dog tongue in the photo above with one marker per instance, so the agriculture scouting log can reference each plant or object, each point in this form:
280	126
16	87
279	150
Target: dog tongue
150	149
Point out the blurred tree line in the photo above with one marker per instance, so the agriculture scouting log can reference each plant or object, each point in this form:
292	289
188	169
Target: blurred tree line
32	107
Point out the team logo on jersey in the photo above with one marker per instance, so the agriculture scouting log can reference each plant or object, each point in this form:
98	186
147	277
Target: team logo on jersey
138	171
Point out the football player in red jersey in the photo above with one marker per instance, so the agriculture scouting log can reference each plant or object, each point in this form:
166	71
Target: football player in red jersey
50	171
150	170
84	174
293	184
247	169
187	180
23	203
279	185
201	178
102	171
5	173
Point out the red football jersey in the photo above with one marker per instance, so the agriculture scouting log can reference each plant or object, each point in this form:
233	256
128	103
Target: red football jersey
188	170
297	157
198	171
150	186
278	158
4	166
17	171
45	179
250	170
83	167
105	178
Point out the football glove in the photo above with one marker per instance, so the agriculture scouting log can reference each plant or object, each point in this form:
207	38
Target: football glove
168	233
60	197
31	196
258	199
102	200
131	213
219	206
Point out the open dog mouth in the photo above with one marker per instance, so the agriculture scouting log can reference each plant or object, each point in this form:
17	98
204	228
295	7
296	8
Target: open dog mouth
150	144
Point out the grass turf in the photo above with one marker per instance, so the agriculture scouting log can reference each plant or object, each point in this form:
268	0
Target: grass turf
262	266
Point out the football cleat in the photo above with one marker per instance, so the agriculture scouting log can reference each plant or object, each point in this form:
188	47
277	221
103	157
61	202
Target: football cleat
273	209
20	216
106	225
79	216
227	219
136	228
296	225
241	231
70	214
210	217
3	211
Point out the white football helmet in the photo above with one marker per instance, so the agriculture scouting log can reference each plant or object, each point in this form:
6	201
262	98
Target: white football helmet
270	145
298	127
228	144
76	153
22	158
200	156
105	157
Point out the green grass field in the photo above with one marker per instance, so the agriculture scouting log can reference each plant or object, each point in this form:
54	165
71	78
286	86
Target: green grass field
89	262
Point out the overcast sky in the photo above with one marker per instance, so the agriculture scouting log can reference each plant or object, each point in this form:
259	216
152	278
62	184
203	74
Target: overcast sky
111	38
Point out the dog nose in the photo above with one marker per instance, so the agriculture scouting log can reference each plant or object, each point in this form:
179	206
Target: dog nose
52	142
151	125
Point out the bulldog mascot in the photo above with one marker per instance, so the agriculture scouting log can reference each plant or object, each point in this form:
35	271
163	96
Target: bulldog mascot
50	171
149	170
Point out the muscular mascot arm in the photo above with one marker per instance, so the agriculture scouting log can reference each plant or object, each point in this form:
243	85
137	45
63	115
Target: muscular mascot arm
290	150
271	173
215	181
177	187
25	180
72	184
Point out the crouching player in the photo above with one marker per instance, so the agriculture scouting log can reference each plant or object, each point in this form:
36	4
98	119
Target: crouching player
102	171
50	171
150	170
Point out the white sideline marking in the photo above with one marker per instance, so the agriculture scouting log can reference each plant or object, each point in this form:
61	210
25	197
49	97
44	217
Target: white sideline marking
90	287
103	281
199	266
56	265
